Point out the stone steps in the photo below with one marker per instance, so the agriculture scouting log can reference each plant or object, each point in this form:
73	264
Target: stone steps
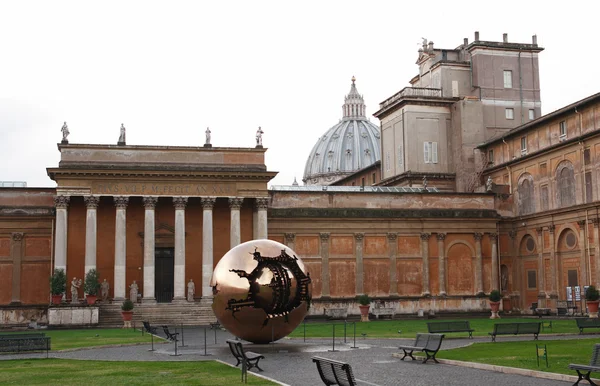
190	314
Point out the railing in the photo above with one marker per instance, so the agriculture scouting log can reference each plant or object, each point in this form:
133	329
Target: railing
414	92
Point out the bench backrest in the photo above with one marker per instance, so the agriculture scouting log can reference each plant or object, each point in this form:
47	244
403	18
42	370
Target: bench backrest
421	340
529	328
334	372
23	335
505	328
434	342
448	326
595	361
236	348
588	322
25	344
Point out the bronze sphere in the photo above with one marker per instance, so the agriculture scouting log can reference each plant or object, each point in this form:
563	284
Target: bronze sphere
261	291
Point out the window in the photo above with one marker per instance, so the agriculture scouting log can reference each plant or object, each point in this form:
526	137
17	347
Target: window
588	187
509	113
507	79
531	279
526	201
565	182
523	145
491	157
544	197
430	153
586	156
373	177
531	114
563	129
400	155
572	277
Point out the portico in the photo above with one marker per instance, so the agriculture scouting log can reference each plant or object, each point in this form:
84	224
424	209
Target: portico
119	207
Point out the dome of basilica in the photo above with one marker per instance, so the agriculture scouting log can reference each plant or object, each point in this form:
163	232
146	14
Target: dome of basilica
350	145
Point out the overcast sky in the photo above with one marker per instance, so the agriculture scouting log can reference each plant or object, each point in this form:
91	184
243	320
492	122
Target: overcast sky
168	70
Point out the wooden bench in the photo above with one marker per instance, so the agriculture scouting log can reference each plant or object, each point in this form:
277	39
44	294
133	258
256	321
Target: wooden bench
428	343
583	371
516	329
453	326
148	328
334	372
383	311
19	343
249	358
171	336
587	323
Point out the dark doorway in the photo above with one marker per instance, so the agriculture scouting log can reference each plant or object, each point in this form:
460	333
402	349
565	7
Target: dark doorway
164	273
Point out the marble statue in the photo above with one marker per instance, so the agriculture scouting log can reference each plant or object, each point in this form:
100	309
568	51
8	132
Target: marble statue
133	291
65	132
424	183
191	291
504	281
488	184
259	134
122	135
104	287
75	284
207	136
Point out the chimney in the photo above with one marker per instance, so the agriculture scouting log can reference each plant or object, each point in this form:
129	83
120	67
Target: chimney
476	36
465	42
534	40
430	46
505	38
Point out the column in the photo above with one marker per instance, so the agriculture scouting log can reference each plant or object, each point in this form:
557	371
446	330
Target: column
261	206
290	240
553	264
358	251
91	227
393	254
425	259
120	246
324	264
442	263
207	245
60	245
517	273
179	273
16	254
595	221
541	270
495	274
478	264
149	249
235	203
583	260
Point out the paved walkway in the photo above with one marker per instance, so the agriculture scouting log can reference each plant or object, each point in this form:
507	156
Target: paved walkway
288	360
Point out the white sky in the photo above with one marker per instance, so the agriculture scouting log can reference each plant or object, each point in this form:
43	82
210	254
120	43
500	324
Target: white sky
169	69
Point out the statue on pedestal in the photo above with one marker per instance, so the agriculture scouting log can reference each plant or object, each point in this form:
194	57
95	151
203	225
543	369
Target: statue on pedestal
191	291
104	287
207	132
75	284
259	134
65	133
488	184
133	291
122	135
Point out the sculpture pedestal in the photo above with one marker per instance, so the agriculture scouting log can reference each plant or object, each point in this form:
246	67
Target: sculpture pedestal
73	316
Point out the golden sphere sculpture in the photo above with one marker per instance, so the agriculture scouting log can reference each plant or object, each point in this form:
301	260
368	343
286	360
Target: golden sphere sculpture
261	291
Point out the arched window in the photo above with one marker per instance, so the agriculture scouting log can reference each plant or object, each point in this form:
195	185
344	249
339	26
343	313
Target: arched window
565	181
526	202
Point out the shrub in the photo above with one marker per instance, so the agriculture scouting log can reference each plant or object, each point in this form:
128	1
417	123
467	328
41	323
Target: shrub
58	282
127	305
91	285
364	300
592	294
495	296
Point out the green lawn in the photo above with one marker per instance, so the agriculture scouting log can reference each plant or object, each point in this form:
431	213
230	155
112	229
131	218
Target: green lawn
64	339
73	372
522	354
390	328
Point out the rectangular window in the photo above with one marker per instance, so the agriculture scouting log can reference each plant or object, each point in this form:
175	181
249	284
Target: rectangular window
507	79
509	113
588	187
400	155
430	152
572	275
523	145
586	156
491	157
563	129
531	114
531	279
373	177
544	197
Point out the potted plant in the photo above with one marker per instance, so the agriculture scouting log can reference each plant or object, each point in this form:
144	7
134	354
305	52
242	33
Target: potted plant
91	286
364	302
592	297
495	298
127	312
58	283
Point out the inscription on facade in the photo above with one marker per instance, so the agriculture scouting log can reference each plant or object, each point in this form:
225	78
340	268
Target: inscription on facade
163	189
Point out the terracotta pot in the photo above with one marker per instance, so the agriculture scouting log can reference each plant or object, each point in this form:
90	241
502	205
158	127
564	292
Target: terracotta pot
127	315
364	313
495	306
56	299
592	306
91	299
